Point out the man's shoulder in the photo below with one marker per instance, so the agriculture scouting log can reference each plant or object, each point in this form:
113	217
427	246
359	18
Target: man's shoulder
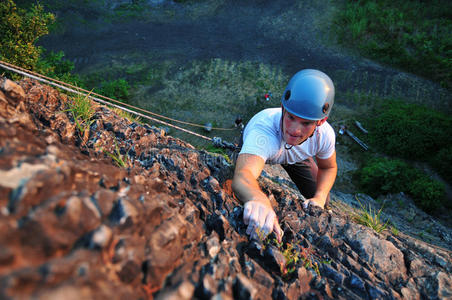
265	122
269	113
327	129
268	117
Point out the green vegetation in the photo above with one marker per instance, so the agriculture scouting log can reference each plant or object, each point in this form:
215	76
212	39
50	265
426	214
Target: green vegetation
126	115
394	230
292	255
54	65
127	11
201	91
413	35
428	194
412	132
217	151
119	159
409	130
370	217
117	89
20	29
82	111
442	160
382	175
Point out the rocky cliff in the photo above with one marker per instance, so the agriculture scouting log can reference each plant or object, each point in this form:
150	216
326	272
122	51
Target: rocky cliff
76	226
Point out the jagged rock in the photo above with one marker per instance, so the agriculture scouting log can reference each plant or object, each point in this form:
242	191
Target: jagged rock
167	226
13	91
381	254
243	288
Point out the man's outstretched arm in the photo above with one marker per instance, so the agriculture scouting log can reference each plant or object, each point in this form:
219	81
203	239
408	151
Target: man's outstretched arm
258	212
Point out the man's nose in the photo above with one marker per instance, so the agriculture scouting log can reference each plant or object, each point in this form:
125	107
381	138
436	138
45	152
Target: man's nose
295	129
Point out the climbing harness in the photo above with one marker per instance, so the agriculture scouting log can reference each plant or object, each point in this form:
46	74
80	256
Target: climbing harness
118	104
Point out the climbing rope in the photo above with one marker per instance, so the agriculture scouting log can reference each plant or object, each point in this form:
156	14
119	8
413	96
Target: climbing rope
120	105
17	68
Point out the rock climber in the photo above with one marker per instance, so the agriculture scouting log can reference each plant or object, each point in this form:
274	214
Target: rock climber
290	135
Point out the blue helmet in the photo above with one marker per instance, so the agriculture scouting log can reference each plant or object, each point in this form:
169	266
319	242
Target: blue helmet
309	95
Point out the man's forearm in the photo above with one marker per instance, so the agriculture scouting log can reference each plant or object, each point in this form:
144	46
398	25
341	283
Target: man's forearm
325	181
246	189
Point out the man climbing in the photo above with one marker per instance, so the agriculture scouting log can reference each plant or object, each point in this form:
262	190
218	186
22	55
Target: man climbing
290	135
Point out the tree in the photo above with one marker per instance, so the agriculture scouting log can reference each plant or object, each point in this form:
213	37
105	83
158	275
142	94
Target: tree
20	29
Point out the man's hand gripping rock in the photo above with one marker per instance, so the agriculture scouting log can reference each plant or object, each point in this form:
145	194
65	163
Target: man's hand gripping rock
260	216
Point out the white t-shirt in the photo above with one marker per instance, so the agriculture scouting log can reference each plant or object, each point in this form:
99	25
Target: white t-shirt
263	137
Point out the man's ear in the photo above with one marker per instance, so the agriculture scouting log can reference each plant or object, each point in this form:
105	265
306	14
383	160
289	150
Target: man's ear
320	122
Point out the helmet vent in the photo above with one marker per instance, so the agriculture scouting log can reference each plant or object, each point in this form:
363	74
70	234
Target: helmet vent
325	107
287	95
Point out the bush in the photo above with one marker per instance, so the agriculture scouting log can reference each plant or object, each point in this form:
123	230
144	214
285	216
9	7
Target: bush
384	176
428	194
381	176
53	64
20	29
412	132
117	89
442	162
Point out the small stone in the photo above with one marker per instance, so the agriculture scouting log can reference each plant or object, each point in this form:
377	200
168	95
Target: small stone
129	272
13	90
213	246
101	237
243	288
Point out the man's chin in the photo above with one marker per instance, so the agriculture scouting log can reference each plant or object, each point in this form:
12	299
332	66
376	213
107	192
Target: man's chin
293	141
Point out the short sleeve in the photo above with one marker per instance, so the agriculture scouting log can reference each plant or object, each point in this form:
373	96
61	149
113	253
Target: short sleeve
327	142
260	142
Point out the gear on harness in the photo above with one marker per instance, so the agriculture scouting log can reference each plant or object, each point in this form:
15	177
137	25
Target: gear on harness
218	142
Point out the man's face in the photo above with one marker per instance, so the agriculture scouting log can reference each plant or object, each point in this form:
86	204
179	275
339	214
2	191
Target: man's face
296	129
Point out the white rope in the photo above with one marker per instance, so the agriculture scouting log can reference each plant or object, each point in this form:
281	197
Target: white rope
103	101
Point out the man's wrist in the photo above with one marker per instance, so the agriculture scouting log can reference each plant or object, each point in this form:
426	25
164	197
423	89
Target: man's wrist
260	200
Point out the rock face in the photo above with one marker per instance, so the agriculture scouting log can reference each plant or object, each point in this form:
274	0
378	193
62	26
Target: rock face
166	225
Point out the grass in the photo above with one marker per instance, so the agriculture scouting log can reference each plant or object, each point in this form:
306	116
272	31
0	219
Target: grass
201	90
119	159
126	115
413	35
82	110
370	217
394	231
